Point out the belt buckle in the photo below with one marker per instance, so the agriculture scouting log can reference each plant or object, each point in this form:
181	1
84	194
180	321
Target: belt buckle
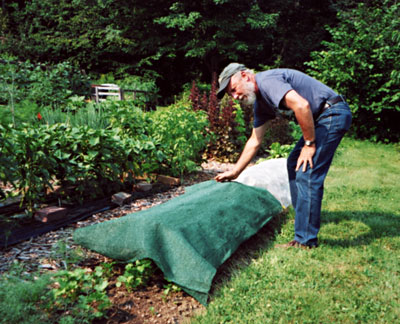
326	106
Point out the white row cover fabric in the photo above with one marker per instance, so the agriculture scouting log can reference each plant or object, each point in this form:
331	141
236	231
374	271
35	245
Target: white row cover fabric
271	175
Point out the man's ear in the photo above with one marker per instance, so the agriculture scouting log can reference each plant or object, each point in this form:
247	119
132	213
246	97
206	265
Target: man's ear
245	75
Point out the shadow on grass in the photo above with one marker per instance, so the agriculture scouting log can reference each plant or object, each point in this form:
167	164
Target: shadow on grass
344	229
249	250
357	228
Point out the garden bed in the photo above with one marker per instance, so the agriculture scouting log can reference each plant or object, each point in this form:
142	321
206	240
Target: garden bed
14	229
55	250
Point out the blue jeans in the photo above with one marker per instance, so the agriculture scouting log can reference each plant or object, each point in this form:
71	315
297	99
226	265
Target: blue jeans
307	188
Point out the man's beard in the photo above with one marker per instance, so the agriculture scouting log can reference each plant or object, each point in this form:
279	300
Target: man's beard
249	94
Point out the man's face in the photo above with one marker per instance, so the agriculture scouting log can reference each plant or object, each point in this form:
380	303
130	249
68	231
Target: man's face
242	88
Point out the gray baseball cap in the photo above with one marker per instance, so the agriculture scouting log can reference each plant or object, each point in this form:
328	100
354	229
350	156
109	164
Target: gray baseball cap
226	75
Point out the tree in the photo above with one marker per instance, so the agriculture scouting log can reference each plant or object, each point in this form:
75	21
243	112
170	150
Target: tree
362	62
83	32
300	29
217	31
174	40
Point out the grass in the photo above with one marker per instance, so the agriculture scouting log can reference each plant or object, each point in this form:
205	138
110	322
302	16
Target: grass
353	277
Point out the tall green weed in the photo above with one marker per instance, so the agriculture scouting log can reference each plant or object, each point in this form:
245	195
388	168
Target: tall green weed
19	300
77	113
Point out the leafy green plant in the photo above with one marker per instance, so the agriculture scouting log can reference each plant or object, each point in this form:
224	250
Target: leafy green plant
136	274
80	292
182	136
108	268
77	158
34	166
277	150
66	255
295	131
170	287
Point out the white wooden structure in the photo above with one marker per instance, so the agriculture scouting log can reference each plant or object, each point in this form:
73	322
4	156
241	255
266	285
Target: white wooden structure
102	91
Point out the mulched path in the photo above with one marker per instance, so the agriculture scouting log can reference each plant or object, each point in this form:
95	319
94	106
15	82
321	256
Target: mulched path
52	251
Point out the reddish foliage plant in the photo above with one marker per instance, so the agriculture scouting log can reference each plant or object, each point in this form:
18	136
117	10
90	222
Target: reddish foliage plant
194	97
213	108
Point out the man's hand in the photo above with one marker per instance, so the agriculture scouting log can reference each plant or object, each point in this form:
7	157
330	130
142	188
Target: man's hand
226	176
306	155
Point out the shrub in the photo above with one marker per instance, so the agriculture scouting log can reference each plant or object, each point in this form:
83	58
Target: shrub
361	62
42	84
182	136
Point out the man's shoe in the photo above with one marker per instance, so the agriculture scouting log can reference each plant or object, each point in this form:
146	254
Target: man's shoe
295	244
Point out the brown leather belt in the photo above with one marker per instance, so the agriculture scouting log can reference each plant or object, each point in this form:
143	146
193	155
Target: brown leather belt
329	103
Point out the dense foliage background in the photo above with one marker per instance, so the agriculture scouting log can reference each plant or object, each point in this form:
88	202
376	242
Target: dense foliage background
173	40
353	46
362	61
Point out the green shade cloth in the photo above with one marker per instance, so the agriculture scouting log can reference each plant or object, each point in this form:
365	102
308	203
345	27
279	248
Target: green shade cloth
189	236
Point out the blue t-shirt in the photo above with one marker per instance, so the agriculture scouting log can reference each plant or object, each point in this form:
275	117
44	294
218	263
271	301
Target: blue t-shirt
273	86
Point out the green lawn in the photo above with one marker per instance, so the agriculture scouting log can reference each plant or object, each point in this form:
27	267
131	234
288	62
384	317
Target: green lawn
353	277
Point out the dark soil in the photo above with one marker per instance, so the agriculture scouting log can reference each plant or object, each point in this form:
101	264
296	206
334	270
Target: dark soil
148	304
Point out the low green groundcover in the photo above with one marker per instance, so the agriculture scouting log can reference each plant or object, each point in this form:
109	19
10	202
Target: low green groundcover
188	237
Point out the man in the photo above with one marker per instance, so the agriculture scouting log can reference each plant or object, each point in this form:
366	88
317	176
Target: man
323	116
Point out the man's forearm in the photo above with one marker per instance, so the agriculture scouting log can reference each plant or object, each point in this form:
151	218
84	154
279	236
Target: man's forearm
306	122
303	113
249	152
